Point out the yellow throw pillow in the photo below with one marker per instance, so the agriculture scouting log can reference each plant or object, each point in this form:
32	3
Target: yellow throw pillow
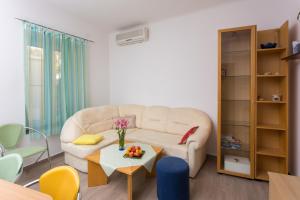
88	139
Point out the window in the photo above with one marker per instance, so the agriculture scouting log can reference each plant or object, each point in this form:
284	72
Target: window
36	77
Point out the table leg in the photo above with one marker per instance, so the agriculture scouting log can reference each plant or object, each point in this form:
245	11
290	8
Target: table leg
96	175
153	172
129	185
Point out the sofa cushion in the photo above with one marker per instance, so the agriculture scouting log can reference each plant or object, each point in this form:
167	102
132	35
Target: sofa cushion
137	110
155	118
162	139
180	120
81	151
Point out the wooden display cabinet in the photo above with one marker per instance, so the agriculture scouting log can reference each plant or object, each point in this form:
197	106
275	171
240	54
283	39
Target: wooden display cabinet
248	79
237	53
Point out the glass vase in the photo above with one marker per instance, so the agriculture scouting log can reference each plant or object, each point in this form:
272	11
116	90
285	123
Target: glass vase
122	140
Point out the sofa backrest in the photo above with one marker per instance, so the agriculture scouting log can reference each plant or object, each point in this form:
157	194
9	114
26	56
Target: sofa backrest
180	120
173	120
98	119
137	110
89	121
159	118
155	118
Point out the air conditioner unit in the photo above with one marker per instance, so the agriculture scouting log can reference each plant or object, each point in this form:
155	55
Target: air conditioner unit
132	36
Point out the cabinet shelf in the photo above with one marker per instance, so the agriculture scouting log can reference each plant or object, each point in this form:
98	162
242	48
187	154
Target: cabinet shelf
267	164
223	171
270	127
236	123
262	175
236	76
271	50
270	76
244	148
243	51
272	102
235	99
270	152
235	152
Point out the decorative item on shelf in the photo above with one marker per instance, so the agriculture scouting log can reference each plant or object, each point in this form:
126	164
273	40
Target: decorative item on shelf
268	45
276	97
276	73
134	152
259	98
230	142
121	127
268	73
296	47
237	164
224	72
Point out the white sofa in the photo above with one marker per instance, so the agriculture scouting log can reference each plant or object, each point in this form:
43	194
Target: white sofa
156	125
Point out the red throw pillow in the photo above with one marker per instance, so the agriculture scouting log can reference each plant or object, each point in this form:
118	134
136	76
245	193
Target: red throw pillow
188	134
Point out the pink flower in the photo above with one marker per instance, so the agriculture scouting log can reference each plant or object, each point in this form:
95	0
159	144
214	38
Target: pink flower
121	124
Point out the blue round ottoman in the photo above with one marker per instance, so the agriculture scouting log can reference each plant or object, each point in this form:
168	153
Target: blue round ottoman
172	179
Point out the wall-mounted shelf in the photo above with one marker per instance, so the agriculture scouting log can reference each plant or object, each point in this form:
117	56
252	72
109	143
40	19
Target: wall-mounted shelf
292	57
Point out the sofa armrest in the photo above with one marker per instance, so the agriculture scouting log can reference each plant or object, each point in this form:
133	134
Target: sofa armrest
70	131
200	137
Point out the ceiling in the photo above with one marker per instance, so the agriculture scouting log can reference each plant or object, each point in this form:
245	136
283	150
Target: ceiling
117	14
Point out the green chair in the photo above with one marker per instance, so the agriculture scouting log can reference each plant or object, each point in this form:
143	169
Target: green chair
10	135
11	167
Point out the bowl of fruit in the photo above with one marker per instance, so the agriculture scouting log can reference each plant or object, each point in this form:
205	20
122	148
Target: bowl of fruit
134	152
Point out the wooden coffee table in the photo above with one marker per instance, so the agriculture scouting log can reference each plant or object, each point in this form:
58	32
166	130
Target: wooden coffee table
96	175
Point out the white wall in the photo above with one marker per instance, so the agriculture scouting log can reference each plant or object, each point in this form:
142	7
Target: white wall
178	66
11	57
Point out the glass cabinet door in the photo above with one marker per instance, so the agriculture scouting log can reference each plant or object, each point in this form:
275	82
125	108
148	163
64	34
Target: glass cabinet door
235	105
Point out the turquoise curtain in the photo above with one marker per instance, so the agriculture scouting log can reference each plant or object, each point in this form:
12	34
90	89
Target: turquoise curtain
54	77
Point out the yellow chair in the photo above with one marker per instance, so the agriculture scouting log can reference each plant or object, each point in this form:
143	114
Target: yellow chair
61	183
